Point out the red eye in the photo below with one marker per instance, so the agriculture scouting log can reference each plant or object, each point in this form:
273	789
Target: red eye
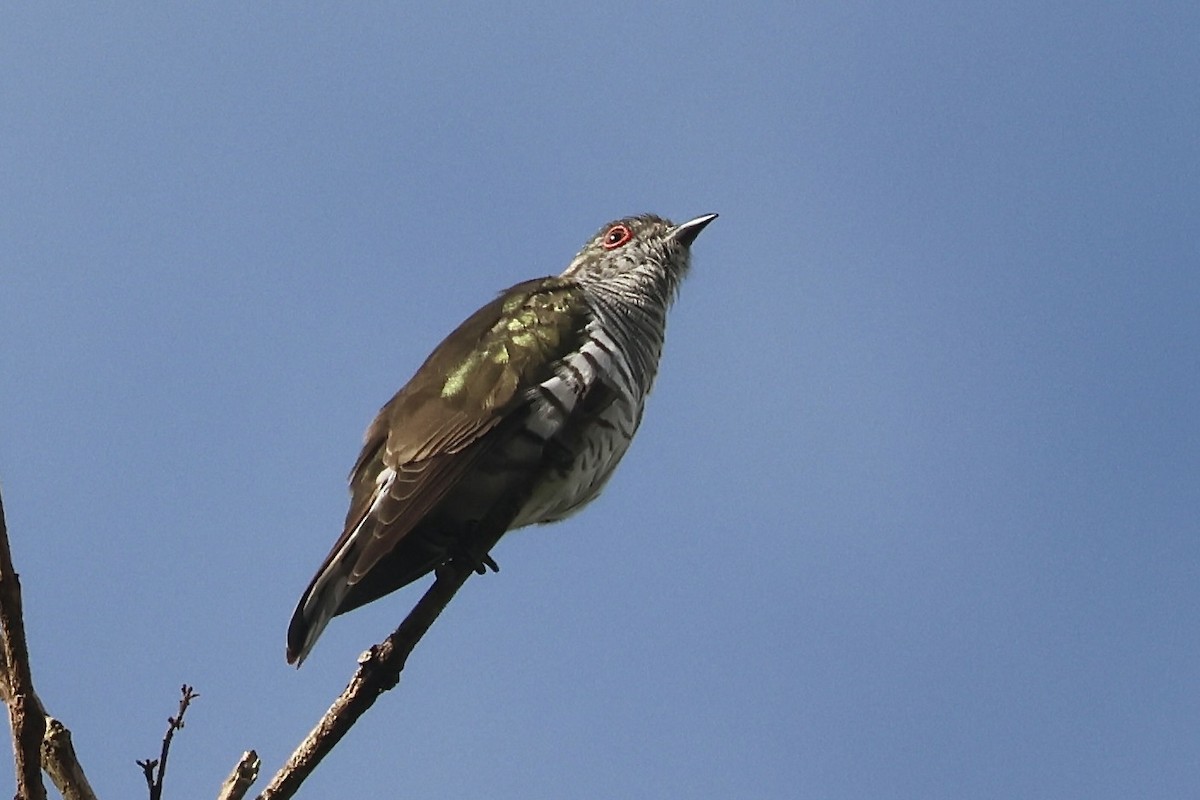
617	235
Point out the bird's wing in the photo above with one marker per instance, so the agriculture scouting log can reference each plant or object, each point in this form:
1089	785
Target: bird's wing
436	428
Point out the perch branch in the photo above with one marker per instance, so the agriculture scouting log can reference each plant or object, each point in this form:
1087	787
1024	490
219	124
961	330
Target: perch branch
378	671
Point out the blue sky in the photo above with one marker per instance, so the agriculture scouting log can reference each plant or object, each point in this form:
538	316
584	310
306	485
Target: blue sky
913	512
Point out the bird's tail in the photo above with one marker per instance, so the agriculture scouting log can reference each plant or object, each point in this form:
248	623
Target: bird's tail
322	600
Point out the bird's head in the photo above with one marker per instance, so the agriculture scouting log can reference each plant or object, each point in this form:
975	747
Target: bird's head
635	250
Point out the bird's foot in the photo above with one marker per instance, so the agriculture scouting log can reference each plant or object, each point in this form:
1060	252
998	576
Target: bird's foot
480	564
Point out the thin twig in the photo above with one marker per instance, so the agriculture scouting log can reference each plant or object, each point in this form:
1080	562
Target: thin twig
378	671
154	780
25	712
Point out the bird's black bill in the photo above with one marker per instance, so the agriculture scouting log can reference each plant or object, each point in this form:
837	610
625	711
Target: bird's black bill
686	233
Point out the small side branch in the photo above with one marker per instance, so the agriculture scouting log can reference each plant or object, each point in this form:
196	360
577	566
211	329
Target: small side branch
244	774
60	763
25	712
155	769
378	671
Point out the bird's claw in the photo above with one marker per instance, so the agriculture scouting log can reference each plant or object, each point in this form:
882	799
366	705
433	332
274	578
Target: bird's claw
479	564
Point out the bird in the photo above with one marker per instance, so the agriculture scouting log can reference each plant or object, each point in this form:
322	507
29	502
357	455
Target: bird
518	417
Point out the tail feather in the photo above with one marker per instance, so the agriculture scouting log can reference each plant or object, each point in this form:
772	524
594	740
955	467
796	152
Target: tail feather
322	600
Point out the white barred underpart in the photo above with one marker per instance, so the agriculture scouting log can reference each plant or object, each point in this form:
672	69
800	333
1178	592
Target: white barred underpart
607	437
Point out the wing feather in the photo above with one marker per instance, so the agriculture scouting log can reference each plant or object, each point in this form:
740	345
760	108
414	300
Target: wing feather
434	431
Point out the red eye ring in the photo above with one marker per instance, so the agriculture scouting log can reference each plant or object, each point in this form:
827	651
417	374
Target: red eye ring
616	236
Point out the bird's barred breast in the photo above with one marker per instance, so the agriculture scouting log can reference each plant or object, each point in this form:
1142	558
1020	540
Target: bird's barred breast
593	440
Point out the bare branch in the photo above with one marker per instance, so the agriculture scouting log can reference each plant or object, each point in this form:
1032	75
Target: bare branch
154	779
378	671
61	764
25	712
148	773
58	754
244	774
